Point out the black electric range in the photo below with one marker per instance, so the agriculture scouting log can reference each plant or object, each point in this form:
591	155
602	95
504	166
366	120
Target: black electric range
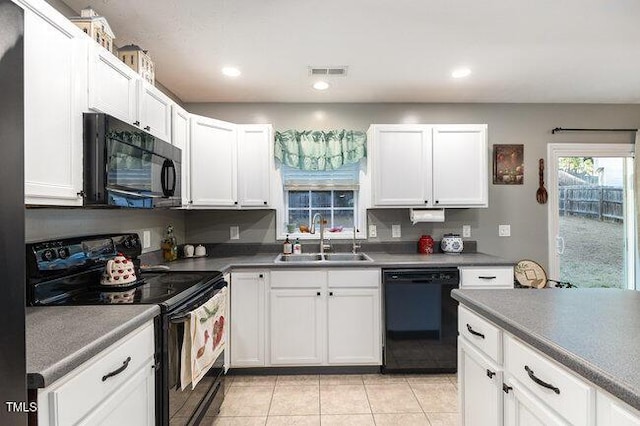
67	272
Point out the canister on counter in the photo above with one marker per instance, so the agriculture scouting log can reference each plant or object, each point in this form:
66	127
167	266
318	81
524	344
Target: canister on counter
425	244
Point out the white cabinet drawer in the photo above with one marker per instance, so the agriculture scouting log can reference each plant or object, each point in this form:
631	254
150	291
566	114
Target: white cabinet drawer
481	333
486	277
82	392
342	278
553	384
298	278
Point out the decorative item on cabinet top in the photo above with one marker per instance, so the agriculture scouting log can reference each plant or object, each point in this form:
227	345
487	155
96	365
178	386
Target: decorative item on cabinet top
138	60
96	27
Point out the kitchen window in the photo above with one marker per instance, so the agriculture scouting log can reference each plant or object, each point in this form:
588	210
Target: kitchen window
336	194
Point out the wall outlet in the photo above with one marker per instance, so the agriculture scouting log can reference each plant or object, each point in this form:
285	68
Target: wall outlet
504	230
466	231
234	232
146	239
373	231
395	231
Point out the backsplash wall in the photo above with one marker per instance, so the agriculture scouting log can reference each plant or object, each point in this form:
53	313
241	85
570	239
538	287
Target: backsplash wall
46	223
528	124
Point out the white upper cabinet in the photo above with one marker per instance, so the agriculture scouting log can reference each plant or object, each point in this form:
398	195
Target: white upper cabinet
113	86
117	90
401	158
155	111
181	138
460	165
429	165
255	162
213	163
54	98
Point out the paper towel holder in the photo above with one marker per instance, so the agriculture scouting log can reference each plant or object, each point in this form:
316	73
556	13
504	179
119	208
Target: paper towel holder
426	215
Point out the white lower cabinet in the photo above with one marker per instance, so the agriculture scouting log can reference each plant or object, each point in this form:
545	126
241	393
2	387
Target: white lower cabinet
312	317
115	387
296	326
524	409
613	412
531	388
481	389
247	318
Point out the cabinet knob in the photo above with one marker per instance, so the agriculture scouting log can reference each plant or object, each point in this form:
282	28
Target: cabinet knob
260	276
506	388
81	194
265	203
437	201
330	293
318	294
147	128
426	201
235	202
190	201
490	373
136	123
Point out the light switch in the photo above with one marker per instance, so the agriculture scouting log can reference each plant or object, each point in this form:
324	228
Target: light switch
395	231
373	231
234	232
466	231
504	230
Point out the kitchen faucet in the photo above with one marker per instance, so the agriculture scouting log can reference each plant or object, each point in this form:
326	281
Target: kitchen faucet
312	230
354	246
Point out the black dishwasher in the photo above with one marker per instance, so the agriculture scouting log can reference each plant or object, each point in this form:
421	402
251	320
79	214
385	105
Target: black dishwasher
421	320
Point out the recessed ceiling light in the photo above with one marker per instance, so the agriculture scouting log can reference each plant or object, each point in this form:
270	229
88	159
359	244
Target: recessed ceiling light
231	71
460	73
321	85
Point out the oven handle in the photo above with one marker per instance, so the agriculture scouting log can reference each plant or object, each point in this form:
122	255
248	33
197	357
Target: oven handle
183	315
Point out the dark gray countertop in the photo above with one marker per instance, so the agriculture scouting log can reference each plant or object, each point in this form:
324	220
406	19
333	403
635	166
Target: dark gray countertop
61	338
594	332
380	260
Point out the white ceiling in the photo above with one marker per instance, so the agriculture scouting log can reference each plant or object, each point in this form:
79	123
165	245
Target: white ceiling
578	51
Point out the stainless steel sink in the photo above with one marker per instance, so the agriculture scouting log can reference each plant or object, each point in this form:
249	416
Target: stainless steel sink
299	258
319	258
347	257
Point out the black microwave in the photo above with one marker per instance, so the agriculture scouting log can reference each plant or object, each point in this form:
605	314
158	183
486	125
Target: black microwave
124	166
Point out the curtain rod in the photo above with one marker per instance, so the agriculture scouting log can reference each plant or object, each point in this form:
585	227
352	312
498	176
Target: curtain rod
560	129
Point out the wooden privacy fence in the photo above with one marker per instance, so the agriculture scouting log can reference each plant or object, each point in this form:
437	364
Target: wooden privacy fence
598	202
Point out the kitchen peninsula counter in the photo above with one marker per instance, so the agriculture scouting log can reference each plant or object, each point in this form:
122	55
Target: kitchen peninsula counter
593	332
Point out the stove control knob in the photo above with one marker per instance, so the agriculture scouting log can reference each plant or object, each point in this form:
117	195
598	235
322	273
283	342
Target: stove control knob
48	255
63	253
127	243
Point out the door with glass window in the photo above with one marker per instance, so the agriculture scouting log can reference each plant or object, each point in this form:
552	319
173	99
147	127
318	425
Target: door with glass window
591	215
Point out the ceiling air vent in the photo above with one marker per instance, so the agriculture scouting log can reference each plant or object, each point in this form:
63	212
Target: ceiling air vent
334	71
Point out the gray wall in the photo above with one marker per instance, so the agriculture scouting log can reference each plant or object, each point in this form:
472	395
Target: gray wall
46	223
528	124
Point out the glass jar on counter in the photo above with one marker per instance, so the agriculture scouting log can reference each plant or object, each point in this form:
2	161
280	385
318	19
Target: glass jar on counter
425	244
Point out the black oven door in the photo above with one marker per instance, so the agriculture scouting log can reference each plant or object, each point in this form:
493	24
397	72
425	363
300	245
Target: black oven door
137	177
202	404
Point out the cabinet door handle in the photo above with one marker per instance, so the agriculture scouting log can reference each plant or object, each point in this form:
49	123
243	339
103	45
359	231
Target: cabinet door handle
490	373
147	128
330	293
136	123
260	276
426	201
533	377
318	294
506	388
265	203
125	364
475	333
437	201
487	278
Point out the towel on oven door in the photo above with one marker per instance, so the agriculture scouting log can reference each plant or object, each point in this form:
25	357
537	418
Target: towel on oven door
204	339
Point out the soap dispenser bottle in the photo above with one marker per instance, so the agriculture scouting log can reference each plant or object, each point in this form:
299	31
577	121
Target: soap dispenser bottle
297	247
286	247
169	246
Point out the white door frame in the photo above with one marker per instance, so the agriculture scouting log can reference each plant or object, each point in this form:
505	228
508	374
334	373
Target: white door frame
554	152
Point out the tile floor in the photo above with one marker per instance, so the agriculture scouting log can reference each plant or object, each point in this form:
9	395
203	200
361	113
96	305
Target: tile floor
340	400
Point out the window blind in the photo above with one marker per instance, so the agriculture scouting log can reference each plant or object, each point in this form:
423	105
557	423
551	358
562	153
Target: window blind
345	178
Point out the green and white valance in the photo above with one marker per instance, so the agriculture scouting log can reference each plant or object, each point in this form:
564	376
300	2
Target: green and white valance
320	150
